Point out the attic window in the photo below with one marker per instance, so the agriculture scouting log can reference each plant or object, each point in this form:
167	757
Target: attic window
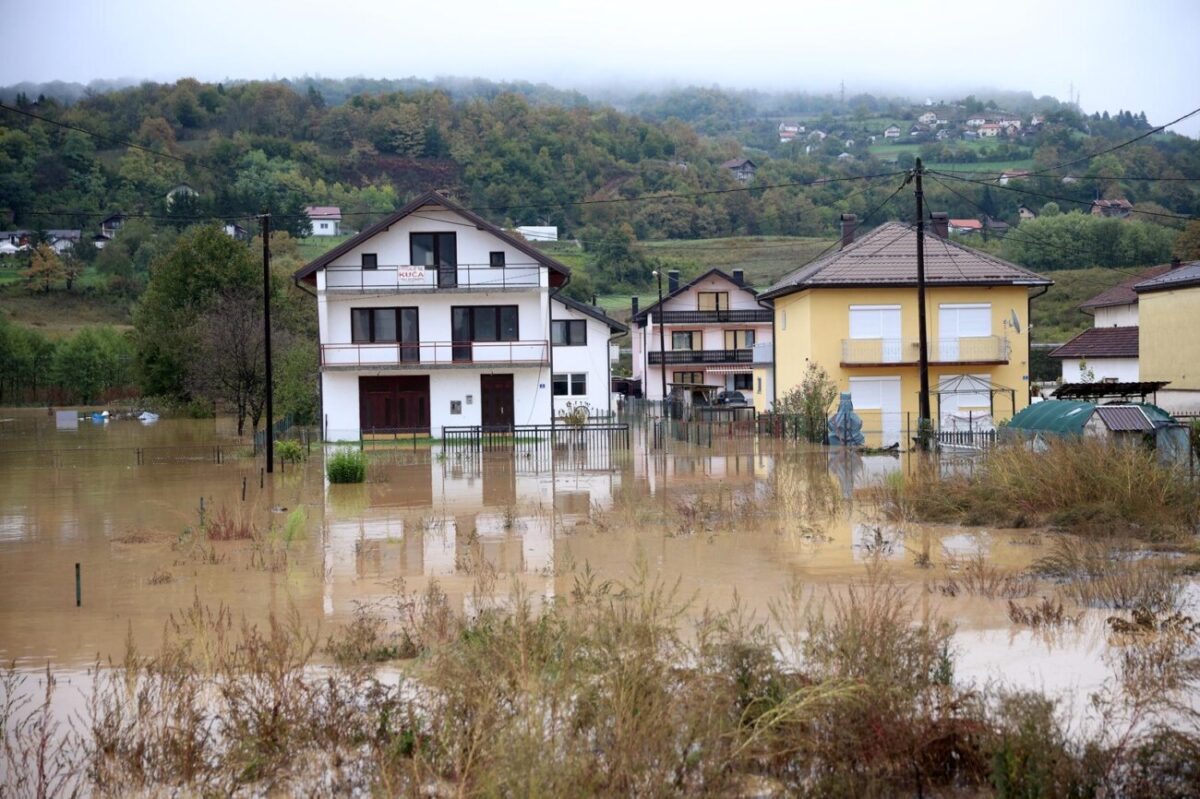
370	260
496	258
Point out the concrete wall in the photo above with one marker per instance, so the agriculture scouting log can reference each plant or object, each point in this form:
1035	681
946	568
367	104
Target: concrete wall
1117	316
592	359
1122	369
1169	340
811	325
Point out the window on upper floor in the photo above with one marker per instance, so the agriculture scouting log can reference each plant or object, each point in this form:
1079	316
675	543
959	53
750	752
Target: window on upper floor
433	249
712	300
568	333
739	339
685	339
387	326
496	258
484	323
370	260
875	321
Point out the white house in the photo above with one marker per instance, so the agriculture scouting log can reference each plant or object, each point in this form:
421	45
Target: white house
975	121
326	219
928	118
710	328
891	132
580	335
435	317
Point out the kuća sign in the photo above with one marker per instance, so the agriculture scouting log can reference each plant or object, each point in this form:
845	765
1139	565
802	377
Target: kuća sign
410	274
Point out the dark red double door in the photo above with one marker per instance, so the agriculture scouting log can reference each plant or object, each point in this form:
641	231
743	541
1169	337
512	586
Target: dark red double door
394	404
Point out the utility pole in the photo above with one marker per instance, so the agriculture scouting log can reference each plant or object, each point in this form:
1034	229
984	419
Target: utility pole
269	438
924	423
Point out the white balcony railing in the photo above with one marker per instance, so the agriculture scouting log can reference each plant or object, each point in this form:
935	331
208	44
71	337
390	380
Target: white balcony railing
475	277
434	354
976	349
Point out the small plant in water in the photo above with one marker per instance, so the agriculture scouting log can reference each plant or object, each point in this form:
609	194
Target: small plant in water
289	450
347	465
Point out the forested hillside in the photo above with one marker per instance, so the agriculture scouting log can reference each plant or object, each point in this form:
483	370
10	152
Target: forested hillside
633	183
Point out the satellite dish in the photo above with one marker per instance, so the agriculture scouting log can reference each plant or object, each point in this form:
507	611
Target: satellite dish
1016	322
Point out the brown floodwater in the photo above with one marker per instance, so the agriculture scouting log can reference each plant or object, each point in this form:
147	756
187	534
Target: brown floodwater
122	499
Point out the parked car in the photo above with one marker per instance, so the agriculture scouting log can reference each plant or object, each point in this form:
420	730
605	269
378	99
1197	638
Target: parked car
730	398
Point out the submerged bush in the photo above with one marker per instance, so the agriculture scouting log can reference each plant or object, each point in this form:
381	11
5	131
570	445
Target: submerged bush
289	450
1079	485
347	465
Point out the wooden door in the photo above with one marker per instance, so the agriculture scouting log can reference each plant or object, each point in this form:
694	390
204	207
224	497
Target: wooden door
496	400
394	404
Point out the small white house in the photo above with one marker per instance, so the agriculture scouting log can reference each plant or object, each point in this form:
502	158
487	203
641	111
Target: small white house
891	132
435	317
326	219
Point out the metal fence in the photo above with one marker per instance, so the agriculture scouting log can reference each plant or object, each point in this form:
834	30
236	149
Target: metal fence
538	436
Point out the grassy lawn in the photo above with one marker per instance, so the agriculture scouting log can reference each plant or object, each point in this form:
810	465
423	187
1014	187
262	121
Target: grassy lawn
1055	316
59	313
315	246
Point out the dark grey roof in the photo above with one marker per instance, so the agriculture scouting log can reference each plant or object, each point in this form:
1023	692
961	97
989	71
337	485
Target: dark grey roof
1177	278
1124	418
592	311
432	198
887	256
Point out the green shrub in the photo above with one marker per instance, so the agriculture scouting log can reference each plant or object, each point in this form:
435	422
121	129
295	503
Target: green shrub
289	450
347	466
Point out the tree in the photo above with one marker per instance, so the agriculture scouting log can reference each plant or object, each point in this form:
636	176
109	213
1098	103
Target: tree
810	401
1187	244
204	267
229	364
45	269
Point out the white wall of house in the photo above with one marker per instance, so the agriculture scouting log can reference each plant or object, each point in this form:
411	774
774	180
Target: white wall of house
1124	370
712	337
325	227
591	359
1117	316
457	383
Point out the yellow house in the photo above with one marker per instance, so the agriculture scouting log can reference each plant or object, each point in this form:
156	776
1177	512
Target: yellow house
854	313
1169	347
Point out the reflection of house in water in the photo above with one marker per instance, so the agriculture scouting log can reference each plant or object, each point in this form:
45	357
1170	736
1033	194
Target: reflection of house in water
448	519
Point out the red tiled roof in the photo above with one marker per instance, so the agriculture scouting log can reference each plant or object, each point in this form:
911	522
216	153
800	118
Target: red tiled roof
1123	293
887	256
324	212
1101	342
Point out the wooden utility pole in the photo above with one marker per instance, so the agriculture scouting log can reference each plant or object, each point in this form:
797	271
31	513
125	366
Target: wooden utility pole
924	423
269	438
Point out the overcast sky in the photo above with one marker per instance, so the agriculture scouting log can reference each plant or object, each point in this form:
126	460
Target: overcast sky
1139	55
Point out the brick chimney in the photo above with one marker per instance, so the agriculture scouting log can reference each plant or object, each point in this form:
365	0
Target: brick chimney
739	277
1176	263
940	222
672	281
849	223
633	306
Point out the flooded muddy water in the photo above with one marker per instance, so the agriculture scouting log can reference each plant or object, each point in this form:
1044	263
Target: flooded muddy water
734	524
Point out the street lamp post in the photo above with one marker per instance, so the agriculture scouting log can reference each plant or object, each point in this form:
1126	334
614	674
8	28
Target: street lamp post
662	347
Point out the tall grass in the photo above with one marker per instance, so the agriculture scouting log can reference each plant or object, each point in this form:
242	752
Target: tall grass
598	693
1081	486
347	465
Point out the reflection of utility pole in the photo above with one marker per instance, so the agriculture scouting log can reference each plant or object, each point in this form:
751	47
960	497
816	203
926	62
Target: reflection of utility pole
269	438
662	346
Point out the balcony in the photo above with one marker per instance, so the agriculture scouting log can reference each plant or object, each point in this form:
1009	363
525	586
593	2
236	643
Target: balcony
890	351
740	315
434	355
402	278
764	352
677	357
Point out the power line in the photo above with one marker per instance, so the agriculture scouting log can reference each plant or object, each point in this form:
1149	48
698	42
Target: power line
110	139
990	184
1116	147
